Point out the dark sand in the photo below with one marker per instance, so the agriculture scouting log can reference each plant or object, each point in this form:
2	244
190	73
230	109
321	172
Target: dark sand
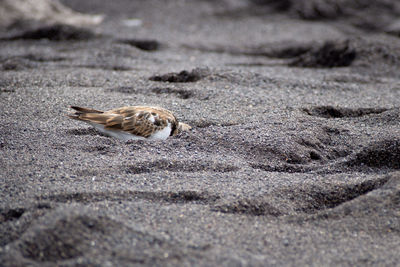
293	159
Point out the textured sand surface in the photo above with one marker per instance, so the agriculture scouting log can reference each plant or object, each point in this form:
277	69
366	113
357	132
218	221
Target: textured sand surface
294	156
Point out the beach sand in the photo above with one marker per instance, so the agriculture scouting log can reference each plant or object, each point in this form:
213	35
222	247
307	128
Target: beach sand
293	159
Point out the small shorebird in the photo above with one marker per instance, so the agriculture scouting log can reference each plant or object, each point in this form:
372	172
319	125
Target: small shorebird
132	123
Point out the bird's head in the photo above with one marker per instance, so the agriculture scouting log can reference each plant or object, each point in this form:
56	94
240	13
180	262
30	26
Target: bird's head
181	128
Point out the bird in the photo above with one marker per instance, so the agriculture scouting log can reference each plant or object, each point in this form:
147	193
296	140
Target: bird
133	122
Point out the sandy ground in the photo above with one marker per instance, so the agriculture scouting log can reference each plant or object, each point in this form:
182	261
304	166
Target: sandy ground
293	159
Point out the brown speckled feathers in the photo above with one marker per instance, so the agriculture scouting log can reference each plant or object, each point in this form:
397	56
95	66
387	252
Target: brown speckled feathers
135	122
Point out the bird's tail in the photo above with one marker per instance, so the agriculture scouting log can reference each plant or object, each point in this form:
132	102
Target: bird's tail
80	111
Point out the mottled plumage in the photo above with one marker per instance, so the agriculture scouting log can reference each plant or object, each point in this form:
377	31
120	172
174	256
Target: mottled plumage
136	122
